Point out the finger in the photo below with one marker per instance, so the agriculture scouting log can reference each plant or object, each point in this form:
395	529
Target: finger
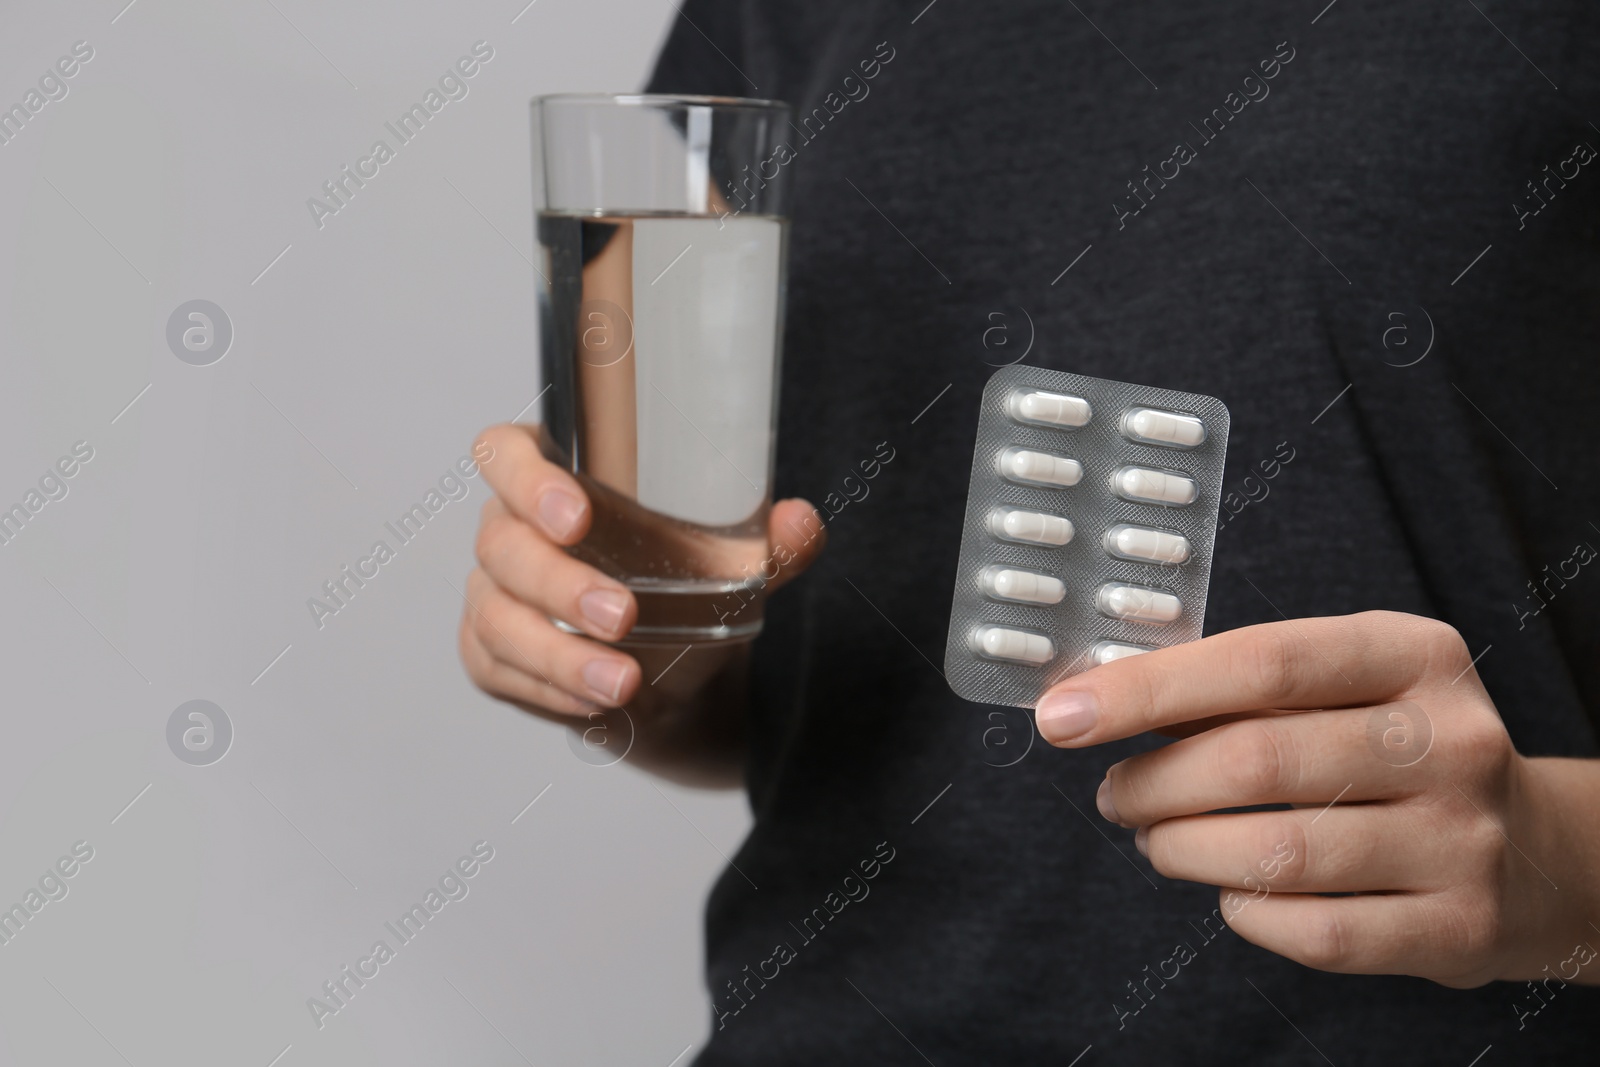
525	640
1299	664
525	564
505	682
1310	758
797	534
534	489
1343	849
1198	726
1423	934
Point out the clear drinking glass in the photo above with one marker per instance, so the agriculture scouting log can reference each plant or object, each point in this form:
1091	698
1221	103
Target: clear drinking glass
663	236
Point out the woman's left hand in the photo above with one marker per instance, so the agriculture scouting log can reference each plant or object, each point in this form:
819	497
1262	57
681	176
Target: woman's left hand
1409	795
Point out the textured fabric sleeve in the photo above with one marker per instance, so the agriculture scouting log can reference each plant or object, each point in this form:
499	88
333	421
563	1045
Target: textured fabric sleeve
703	52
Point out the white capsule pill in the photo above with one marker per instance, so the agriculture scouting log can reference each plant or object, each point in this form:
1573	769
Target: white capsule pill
1008	583
1032	527
999	642
1047	409
1110	651
1136	603
1163	428
1150	546
1154	487
1039	468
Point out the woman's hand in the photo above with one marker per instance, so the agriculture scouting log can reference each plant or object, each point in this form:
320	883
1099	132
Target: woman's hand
1408	795
509	644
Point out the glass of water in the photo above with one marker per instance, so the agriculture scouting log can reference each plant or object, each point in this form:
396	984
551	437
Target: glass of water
662	230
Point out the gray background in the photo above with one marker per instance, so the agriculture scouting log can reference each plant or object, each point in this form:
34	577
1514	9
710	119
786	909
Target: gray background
179	564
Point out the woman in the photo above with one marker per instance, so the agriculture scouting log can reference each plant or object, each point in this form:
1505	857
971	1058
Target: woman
1305	214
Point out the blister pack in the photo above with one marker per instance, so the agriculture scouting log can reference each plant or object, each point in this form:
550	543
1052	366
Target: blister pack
1091	516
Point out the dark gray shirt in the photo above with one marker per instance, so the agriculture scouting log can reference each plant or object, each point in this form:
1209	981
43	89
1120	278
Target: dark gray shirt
1372	233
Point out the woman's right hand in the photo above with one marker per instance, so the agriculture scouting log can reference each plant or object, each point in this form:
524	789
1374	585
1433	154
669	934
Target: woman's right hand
524	579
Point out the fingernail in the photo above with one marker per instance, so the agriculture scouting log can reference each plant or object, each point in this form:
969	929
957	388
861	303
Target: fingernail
1065	716
605	677
1102	800
603	608
1141	842
560	512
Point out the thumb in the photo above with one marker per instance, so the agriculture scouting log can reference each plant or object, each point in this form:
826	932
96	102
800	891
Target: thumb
797	534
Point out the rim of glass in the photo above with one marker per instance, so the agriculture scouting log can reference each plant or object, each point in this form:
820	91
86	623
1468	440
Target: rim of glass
659	100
